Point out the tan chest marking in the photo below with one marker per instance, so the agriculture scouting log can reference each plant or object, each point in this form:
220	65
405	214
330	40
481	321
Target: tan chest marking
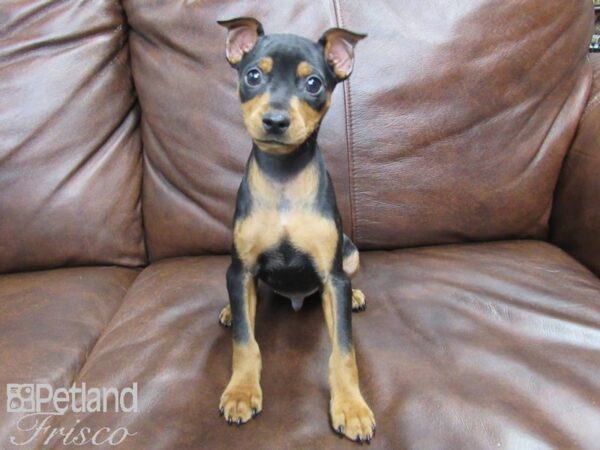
285	211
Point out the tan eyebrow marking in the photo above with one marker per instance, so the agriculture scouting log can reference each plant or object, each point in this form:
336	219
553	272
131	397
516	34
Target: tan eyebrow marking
266	64
304	69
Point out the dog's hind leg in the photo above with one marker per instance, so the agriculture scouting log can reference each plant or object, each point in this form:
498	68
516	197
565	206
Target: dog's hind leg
350	257
225	316
351	262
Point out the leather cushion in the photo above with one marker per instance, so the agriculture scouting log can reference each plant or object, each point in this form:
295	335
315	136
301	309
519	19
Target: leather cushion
459	128
70	152
452	128
463	346
49	322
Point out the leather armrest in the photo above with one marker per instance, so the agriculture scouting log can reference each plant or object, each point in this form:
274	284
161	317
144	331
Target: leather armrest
575	224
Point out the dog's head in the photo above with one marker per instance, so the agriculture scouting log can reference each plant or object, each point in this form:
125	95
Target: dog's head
286	81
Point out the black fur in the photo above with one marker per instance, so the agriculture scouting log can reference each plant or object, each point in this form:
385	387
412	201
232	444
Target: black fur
235	288
287	269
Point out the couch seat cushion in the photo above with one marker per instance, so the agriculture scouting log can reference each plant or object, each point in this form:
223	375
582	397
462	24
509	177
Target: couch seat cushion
490	345
49	322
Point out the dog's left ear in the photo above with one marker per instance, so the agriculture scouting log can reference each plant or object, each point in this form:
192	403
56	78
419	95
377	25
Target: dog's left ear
242	34
338	46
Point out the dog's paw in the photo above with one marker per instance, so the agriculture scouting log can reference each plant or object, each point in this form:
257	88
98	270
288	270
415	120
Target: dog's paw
225	316
240	403
352	417
358	300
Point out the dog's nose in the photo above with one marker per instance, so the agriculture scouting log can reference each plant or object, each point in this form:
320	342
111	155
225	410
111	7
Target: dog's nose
276	122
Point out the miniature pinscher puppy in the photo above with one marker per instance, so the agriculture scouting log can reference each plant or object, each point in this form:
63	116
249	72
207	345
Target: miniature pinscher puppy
287	229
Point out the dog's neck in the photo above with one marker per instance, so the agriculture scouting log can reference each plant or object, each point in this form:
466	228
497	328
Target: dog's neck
282	167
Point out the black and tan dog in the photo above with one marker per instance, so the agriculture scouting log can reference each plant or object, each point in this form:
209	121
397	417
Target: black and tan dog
287	229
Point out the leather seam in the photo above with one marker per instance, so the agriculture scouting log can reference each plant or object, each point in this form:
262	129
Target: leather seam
594	98
349	134
590	106
552	219
142	156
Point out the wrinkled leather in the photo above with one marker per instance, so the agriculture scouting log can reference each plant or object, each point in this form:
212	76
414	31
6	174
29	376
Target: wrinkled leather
576	216
459	130
70	151
456	132
49	322
463	346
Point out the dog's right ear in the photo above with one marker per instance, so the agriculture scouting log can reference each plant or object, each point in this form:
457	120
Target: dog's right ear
242	34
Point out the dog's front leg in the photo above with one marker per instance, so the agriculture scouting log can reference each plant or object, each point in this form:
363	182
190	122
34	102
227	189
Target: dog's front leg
350	414
242	398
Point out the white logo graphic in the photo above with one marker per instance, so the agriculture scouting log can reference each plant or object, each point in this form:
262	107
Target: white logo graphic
20	398
41	401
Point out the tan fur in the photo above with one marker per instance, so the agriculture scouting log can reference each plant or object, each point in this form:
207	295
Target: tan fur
266	64
304	69
349	411
225	316
351	264
359	303
234	59
305	229
304	119
253	111
243	393
250	295
316	236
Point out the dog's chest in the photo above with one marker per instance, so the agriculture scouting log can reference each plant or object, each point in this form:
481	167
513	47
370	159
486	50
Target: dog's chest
285	212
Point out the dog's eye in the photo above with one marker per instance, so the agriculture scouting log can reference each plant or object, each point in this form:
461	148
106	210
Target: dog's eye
313	85
253	77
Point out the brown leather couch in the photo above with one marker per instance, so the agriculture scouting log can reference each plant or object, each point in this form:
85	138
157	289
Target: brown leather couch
465	152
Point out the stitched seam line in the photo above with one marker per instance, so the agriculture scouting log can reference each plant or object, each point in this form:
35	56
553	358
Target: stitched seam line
349	134
591	106
555	203
594	98
140	199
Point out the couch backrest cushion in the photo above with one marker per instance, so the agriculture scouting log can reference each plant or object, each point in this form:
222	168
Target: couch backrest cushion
460	128
452	127
70	151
